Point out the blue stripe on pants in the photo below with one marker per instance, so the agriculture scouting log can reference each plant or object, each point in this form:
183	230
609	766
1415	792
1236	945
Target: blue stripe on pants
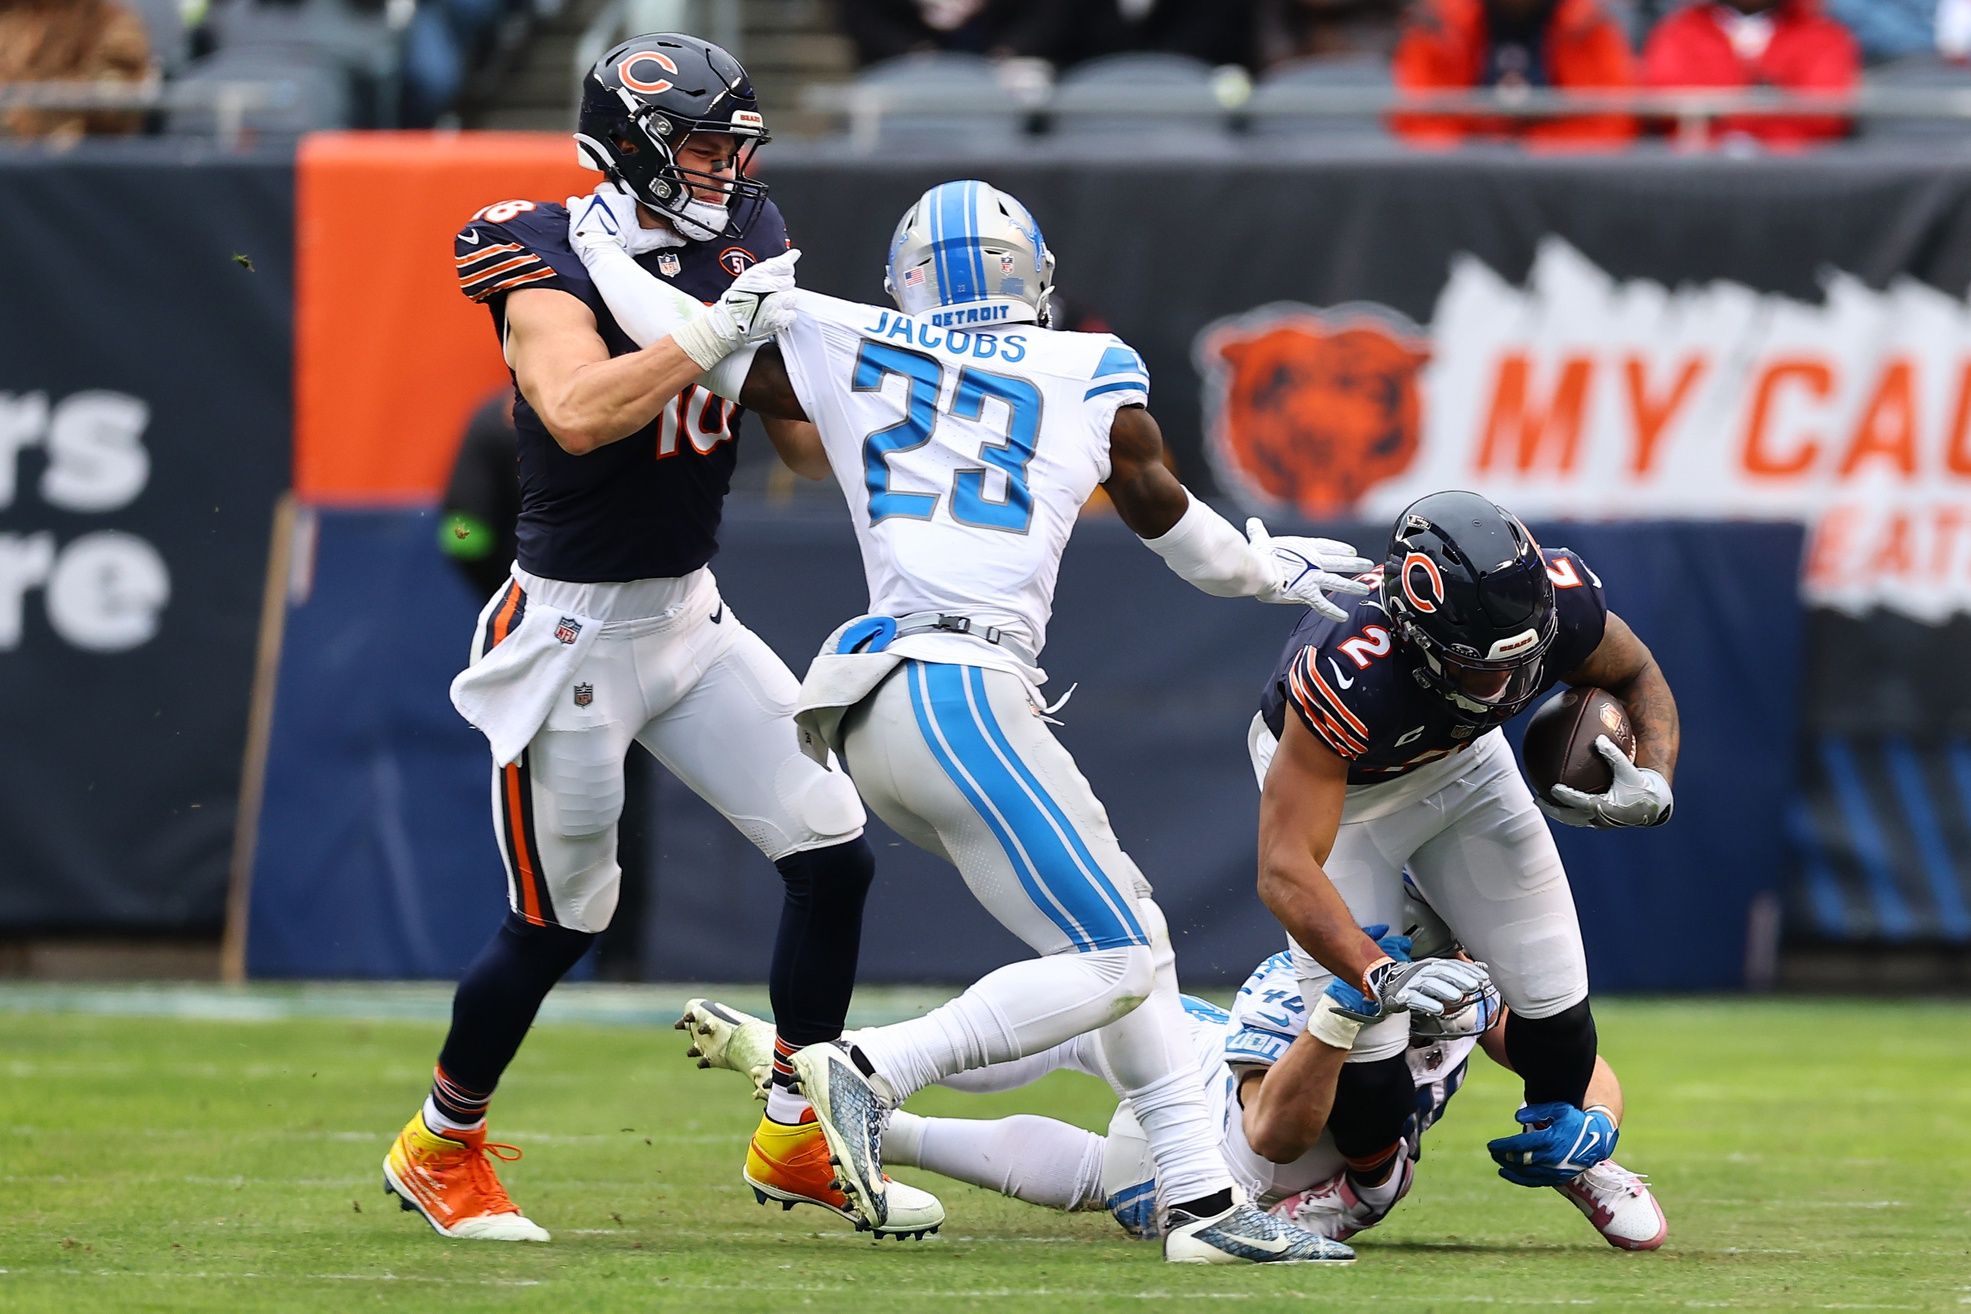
1048	869
1121	906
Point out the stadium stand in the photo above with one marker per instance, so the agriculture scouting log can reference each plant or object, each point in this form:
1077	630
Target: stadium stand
1116	95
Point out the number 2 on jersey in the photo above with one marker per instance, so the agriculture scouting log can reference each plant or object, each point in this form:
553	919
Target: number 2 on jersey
923	377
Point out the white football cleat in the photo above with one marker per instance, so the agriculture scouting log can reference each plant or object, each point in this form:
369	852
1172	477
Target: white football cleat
1246	1234
1620	1205
852	1104
725	1037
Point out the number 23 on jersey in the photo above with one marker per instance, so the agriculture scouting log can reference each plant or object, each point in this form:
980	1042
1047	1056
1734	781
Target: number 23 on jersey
924	383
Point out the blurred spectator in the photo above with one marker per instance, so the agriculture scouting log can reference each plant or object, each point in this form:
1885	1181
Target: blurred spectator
1062	32
1327	29
71	41
1211	30
1888	29
1954	29
482	498
884	29
1450	45
1757	43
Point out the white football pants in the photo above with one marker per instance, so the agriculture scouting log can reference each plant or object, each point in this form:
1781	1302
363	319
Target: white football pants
674	671
958	760
1480	853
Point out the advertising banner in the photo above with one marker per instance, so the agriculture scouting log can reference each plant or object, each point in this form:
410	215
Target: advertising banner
144	405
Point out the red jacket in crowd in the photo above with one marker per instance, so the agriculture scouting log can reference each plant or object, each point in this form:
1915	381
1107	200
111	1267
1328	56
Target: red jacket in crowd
1445	46
1805	51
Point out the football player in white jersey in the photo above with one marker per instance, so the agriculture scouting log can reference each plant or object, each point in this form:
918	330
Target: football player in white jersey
1271	1080
966	436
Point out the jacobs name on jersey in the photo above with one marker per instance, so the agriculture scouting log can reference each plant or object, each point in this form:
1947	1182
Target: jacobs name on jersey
1354	684
647	507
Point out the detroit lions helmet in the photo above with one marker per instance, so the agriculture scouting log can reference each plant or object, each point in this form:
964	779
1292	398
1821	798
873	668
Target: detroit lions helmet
1468	589
968	254
639	103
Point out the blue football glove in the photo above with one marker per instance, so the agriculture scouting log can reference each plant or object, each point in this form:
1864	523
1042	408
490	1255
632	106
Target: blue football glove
1561	1142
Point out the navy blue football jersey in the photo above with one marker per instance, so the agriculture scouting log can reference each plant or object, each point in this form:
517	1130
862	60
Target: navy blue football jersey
1353	683
648	506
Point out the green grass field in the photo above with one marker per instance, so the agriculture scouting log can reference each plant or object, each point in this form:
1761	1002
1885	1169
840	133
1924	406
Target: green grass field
205	1151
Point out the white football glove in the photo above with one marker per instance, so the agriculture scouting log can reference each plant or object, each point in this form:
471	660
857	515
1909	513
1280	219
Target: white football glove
1303	570
1640	796
753	309
607	217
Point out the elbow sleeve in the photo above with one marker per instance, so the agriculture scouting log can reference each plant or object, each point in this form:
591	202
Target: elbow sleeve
1204	549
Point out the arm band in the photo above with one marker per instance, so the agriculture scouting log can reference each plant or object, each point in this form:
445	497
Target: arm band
1329	1025
1206	551
649	310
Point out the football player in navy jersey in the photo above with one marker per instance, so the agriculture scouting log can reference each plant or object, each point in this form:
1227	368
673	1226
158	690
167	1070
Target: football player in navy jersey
1378	748
611	630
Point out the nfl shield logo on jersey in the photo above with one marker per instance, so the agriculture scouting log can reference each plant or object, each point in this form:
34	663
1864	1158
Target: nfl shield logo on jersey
584	694
568	629
667	264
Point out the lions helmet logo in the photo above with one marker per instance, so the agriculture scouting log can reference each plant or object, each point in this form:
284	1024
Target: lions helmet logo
1310	409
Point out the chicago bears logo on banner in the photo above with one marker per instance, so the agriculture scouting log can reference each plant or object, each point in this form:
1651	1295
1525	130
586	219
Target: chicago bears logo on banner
736	260
1308	408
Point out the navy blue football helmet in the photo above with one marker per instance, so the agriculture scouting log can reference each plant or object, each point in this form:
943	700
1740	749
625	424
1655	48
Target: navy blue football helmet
640	102
1467	589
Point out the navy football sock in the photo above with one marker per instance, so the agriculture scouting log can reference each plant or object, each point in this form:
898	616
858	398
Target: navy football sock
1554	1056
814	954
495	1005
1373	1105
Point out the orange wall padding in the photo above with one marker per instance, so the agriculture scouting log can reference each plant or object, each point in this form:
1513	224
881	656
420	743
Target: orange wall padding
389	358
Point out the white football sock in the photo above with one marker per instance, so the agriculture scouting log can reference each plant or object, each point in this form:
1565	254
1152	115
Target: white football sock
1152	1063
1038	1160
784	1105
1020	1009
435	1119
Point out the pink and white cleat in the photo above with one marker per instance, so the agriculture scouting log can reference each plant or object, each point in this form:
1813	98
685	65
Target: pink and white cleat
1620	1205
1337	1210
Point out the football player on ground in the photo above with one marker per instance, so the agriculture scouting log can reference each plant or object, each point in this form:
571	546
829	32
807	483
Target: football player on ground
1270	1080
612	632
966	435
1378	747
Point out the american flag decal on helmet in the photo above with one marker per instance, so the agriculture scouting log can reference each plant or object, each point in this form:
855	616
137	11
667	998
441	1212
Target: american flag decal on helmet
913	277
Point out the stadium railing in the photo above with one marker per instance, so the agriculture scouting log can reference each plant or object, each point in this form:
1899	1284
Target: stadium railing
863	108
229	102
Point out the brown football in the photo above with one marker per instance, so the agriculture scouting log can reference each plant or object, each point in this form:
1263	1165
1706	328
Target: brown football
1560	740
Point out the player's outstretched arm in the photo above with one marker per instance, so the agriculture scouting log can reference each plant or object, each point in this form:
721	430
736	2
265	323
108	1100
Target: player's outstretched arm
1299	816
1622	664
1201	545
586	398
720	337
1285	1107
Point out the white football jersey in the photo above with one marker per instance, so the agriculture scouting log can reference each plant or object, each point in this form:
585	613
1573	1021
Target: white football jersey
965	455
1266	1018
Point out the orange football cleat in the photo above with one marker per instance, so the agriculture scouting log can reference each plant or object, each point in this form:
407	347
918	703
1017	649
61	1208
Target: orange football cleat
790	1164
448	1178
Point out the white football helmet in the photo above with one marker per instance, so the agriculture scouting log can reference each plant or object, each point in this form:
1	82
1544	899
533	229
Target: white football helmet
968	254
